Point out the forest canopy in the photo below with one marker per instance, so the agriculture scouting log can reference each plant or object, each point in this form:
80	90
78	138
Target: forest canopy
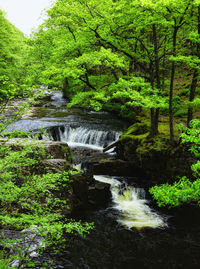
13	52
120	55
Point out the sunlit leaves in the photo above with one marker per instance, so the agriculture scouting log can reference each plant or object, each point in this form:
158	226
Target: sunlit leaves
137	92
183	191
12	54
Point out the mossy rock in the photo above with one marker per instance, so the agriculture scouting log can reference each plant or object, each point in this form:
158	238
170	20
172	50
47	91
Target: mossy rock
160	160
138	128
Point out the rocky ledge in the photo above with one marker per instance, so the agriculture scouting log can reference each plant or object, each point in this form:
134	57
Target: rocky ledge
56	157
156	158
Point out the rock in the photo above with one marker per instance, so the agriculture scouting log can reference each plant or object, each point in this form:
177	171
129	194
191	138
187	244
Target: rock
160	163
57	149
56	157
89	192
100	194
104	164
55	165
100	186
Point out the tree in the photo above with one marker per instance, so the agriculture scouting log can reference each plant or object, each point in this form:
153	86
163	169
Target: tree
12	53
87	47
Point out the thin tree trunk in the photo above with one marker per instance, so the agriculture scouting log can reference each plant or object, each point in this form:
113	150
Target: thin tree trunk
195	76
192	96
65	88
152	130
171	120
157	75
152	110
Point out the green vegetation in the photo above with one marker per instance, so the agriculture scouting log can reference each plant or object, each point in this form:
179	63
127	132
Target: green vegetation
4	261
31	197
185	190
125	56
13	50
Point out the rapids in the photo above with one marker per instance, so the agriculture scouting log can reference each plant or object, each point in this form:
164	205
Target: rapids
132	205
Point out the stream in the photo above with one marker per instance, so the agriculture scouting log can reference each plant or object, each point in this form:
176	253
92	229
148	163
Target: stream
130	233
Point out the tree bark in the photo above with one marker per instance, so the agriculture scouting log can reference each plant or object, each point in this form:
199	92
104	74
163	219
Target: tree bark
65	88
155	112
171	120
195	76
192	96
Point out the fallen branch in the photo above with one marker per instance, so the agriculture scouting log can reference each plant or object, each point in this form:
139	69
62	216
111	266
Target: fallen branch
111	146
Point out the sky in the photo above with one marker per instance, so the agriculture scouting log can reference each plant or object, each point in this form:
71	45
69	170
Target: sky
25	14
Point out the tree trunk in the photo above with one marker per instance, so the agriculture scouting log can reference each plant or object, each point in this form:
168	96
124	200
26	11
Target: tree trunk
195	76
152	130
171	121
192	95
65	88
154	121
155	112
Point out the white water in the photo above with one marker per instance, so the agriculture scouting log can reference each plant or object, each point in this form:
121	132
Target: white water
132	205
84	137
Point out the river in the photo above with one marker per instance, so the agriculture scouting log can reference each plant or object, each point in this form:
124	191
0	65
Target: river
130	232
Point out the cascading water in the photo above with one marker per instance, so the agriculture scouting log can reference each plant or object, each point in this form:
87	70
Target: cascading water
132	205
85	137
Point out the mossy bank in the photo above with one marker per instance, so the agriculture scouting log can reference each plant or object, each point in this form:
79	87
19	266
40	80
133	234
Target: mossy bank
157	158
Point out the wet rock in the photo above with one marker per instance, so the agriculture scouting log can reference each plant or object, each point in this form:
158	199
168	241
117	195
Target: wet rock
99	194
57	149
88	192
80	185
104	164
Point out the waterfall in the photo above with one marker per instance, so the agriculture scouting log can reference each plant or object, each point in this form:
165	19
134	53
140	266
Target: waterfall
131	204
85	137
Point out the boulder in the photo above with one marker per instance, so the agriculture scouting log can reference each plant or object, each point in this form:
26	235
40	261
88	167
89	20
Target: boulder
158	160
88	192
104	164
55	149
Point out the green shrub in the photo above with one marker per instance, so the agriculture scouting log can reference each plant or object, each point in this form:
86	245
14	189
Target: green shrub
36	201
180	113
183	191
184	92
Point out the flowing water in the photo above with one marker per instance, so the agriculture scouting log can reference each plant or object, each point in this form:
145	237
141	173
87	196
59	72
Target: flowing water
129	233
132	205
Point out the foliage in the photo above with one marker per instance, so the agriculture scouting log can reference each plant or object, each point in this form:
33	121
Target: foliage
118	52
13	50
32	199
4	261
185	190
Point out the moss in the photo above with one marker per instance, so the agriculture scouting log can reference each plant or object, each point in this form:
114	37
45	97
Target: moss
40	112
61	114
138	128
134	137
